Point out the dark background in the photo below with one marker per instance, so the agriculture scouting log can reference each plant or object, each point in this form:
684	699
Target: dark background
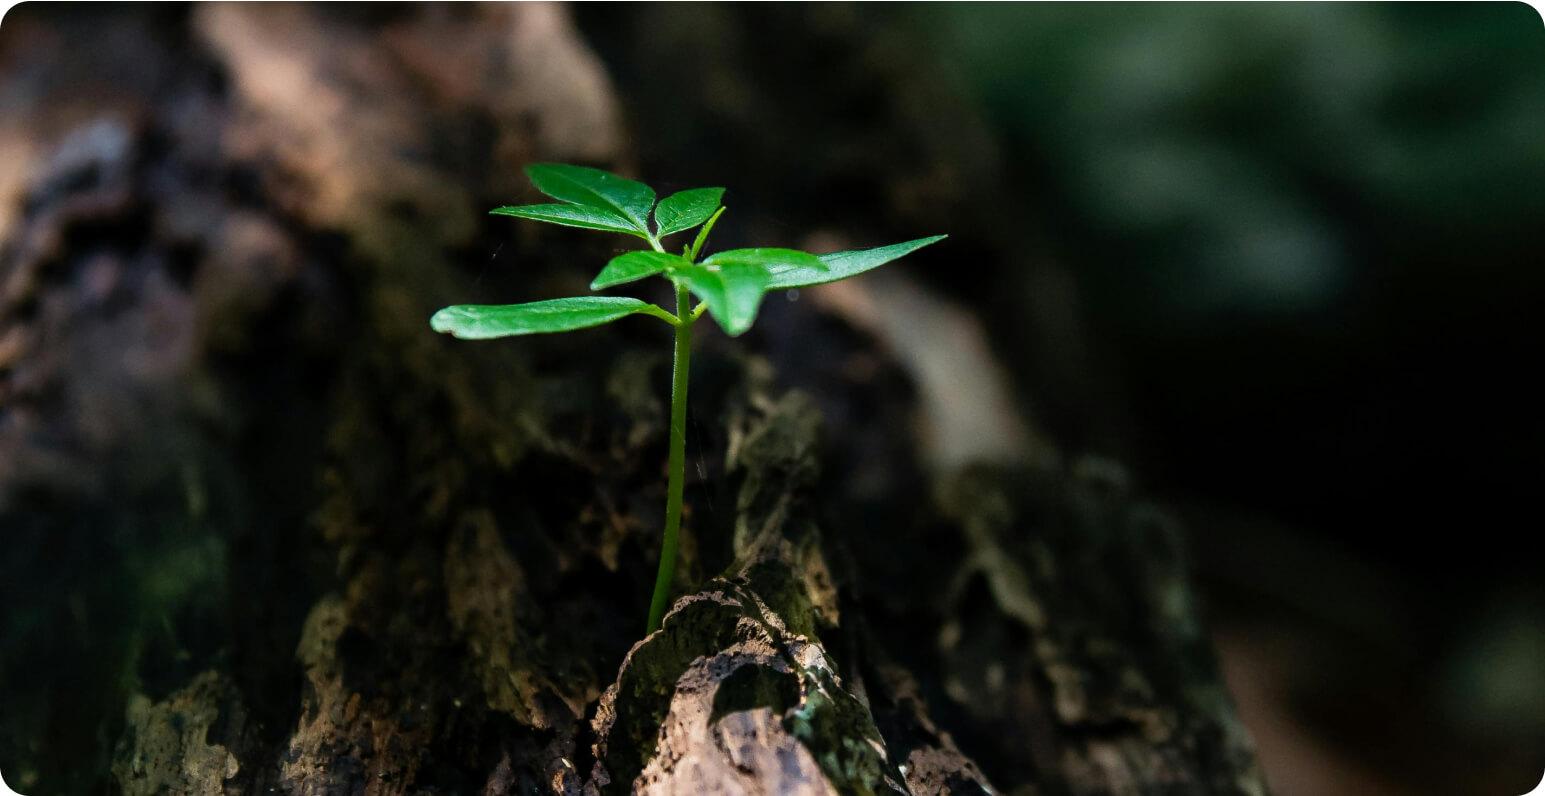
1293	257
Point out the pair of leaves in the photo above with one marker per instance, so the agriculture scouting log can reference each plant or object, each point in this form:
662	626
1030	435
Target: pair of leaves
731	283
734	288
733	291
600	200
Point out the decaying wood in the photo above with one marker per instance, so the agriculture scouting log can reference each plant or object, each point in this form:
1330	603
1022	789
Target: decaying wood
369	559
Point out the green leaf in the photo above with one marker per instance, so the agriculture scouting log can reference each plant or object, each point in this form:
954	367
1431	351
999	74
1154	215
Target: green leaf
685	210
841	265
571	216
733	292
776	261
634	266
593	188
486	321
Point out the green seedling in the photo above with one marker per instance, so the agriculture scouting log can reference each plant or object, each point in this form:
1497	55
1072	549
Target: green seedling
729	285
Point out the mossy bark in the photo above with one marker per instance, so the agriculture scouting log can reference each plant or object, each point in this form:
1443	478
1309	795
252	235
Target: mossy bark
333	552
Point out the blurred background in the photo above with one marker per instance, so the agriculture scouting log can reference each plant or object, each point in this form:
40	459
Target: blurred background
1281	261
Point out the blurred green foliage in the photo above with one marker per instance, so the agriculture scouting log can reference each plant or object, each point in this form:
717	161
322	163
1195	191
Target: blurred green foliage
1239	157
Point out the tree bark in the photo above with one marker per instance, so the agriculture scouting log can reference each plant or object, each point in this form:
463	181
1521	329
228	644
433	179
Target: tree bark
324	550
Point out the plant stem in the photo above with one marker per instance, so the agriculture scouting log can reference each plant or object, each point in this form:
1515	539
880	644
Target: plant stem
676	462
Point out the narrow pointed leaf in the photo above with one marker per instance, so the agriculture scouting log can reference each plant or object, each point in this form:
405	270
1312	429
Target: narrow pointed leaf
733	292
571	216
487	321
776	261
685	210
593	188
634	266
841	265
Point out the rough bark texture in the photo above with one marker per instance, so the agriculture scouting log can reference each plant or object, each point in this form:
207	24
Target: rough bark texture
319	549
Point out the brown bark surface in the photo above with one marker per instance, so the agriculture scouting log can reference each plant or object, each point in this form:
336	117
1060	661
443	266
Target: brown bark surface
323	550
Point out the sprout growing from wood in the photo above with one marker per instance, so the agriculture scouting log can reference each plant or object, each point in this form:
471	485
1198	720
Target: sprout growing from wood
729	285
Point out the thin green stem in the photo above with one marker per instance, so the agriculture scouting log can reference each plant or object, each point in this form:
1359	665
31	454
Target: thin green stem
660	313
676	467
702	235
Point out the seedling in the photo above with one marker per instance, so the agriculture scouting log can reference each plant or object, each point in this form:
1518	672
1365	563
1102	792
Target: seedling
729	284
